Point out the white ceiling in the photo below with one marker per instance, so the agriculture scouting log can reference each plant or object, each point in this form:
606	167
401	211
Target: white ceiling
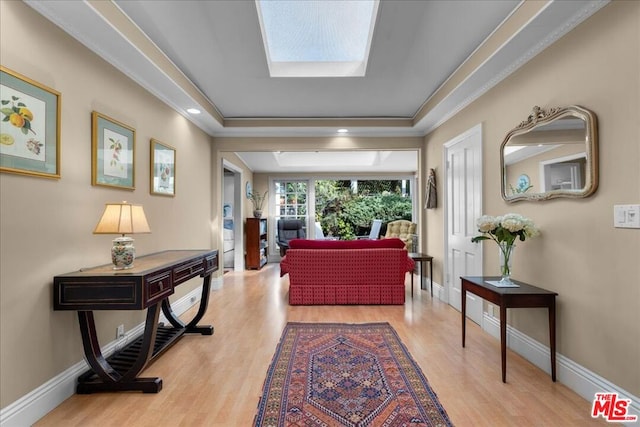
409	57
405	161
210	55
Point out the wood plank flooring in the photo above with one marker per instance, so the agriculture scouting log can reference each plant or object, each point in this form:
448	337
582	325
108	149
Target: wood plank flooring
217	380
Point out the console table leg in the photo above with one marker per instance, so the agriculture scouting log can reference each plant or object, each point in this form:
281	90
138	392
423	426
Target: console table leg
552	337
148	341
109	378
503	341
411	273
431	276
92	351
192	325
463	298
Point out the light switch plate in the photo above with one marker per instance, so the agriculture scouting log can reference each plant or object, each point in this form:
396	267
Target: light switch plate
626	216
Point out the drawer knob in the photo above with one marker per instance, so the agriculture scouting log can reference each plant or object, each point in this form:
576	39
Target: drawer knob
161	284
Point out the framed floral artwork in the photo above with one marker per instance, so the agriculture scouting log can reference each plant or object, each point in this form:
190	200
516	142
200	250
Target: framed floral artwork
163	169
112	153
29	126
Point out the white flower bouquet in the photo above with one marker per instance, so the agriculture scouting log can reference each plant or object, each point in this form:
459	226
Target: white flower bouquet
504	230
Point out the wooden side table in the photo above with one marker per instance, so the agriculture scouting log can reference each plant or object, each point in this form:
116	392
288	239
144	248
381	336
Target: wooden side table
421	258
524	296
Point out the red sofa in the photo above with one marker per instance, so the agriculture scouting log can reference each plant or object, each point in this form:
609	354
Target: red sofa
346	271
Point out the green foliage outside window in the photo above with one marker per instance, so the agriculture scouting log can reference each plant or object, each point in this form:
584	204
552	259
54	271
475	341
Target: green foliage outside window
346	215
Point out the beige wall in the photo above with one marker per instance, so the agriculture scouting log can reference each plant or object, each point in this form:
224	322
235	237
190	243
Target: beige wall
46	225
592	265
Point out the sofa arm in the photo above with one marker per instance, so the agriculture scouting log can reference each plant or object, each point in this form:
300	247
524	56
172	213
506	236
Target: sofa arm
285	267
411	265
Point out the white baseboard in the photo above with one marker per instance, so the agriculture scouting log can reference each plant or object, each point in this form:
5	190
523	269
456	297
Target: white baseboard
578	378
36	404
216	283
439	292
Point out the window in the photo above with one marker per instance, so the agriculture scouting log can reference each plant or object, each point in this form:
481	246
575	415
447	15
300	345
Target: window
291	199
290	203
347	208
319	38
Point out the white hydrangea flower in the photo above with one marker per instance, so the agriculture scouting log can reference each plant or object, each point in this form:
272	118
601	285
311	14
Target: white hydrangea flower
487	223
530	229
513	222
506	228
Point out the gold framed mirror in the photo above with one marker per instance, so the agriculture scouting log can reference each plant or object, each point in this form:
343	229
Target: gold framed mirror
554	153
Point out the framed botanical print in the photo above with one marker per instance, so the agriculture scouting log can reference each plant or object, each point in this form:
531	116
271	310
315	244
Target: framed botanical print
29	126
163	169
112	152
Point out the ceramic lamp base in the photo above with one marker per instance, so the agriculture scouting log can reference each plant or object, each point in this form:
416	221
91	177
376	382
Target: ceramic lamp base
123	253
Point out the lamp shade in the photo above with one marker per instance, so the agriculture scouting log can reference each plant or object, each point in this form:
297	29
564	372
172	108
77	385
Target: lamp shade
122	218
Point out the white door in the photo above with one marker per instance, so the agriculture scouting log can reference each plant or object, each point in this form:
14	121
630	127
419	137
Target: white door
463	159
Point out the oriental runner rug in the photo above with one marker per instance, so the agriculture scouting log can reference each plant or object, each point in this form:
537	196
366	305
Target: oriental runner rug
333	374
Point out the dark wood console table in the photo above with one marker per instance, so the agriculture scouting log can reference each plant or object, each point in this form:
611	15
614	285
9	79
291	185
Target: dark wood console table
524	296
147	285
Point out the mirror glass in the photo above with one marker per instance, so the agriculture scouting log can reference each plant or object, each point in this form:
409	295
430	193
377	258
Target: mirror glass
551	154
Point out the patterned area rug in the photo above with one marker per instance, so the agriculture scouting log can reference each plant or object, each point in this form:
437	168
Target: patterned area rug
332	374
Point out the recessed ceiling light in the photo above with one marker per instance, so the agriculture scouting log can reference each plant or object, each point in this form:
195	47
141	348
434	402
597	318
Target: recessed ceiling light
193	111
343	130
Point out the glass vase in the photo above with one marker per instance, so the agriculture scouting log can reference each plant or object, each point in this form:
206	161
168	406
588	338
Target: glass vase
506	257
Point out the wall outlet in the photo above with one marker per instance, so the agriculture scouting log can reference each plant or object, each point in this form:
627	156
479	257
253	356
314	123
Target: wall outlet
121	338
120	332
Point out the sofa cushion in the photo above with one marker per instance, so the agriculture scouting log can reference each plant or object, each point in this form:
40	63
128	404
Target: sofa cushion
346	244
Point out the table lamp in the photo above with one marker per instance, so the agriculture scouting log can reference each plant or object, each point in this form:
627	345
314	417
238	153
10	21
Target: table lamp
122	218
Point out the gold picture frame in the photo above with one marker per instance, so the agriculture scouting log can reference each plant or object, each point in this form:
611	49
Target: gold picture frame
112	153
29	126
163	169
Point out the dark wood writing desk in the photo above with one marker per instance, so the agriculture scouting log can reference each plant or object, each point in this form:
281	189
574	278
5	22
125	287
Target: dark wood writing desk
147	285
524	296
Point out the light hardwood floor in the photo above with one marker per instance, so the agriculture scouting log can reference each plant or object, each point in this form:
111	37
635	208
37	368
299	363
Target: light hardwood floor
217	380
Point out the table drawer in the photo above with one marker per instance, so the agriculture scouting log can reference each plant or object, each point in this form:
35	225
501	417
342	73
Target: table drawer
72	293
211	263
158	287
186	271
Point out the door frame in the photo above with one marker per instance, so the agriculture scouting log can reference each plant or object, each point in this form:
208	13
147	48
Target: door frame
238	209
477	129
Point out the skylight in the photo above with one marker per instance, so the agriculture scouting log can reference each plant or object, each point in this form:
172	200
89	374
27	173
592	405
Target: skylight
317	38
